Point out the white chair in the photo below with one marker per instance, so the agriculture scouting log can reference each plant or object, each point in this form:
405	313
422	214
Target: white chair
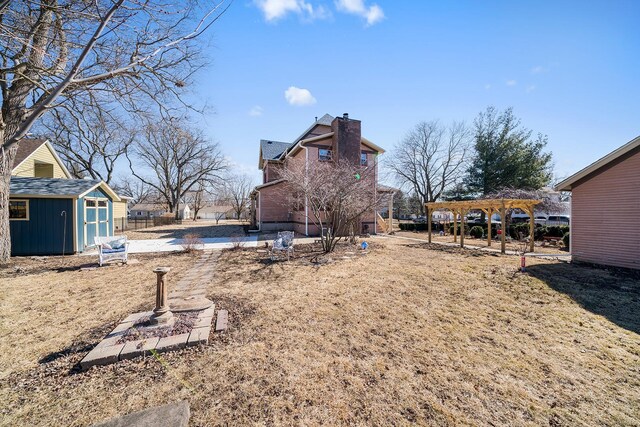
112	248
284	242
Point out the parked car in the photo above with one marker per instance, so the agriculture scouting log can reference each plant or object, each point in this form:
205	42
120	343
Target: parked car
558	220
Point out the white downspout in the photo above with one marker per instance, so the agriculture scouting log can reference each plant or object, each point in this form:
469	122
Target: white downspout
375	195
259	211
306	199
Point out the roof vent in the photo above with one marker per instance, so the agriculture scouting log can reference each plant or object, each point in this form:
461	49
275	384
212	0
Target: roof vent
316	118
345	116
269	142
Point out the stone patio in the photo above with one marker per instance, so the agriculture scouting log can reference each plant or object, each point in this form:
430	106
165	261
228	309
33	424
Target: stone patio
188	296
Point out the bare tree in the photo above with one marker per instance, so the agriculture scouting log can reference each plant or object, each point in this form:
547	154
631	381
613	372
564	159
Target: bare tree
431	158
90	146
337	194
237	191
181	160
139	191
73	53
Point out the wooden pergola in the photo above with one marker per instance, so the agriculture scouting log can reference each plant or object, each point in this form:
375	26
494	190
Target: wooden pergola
488	206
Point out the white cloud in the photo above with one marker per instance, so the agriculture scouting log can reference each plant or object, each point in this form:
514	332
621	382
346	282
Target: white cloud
256	111
299	97
530	88
511	82
373	14
276	9
538	69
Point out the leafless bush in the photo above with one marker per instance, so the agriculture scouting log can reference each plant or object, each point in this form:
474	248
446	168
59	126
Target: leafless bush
237	242
191	243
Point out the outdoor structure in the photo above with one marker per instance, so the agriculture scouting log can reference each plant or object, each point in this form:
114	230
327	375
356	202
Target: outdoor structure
153	210
217	212
488	206
37	158
605	201
327	139
52	216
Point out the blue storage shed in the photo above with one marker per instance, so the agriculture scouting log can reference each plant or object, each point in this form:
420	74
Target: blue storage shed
50	216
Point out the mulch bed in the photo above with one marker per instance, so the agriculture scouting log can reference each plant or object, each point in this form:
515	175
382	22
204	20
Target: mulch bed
143	329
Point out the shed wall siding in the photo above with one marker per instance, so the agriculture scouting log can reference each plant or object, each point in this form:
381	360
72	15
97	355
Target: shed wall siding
44	232
43	155
604	210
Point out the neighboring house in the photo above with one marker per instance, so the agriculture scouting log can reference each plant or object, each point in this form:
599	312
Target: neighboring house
36	158
56	216
605	202
217	212
326	139
152	210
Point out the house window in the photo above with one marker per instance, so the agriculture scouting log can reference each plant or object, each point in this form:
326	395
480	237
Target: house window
19	210
363	159
102	203
91	203
324	154
138	213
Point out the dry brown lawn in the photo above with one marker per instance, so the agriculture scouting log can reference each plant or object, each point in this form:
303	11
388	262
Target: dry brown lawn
408	333
201	228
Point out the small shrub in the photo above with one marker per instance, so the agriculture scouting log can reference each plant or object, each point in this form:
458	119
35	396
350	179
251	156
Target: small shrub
565	240
476	231
540	232
237	242
191	243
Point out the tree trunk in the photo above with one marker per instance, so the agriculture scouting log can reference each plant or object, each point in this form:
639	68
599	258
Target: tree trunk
6	163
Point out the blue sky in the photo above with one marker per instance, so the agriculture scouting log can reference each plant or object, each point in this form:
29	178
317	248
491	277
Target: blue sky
570	70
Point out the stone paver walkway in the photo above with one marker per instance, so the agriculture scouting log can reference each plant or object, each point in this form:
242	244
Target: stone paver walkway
190	291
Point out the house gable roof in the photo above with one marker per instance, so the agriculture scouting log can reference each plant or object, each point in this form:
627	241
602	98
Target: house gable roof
28	146
271	150
567	184
54	187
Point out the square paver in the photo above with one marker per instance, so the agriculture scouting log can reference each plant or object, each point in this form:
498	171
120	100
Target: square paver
138	348
133	318
203	322
101	356
208	312
173	342
199	336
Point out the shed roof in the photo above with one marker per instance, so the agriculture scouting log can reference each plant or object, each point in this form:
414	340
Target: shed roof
51	187
567	184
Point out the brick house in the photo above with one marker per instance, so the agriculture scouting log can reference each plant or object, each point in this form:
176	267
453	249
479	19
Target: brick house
605	201
327	139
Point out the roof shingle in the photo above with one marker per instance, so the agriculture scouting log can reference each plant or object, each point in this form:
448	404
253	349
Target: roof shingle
26	147
50	186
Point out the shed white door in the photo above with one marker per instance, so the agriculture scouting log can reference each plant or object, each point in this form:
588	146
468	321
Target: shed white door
96	219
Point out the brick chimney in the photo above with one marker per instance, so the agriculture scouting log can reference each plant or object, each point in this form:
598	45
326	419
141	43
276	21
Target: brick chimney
347	136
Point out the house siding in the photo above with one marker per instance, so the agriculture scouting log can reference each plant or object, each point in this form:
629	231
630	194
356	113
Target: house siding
42	155
604	208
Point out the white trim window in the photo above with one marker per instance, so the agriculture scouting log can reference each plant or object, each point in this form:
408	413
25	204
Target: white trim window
18	210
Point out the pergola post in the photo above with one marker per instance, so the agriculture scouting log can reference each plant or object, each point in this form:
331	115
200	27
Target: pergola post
532	228
455	225
391	212
503	234
429	222
489	212
462	214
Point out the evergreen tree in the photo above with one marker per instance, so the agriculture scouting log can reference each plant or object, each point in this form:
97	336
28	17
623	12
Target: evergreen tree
506	155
